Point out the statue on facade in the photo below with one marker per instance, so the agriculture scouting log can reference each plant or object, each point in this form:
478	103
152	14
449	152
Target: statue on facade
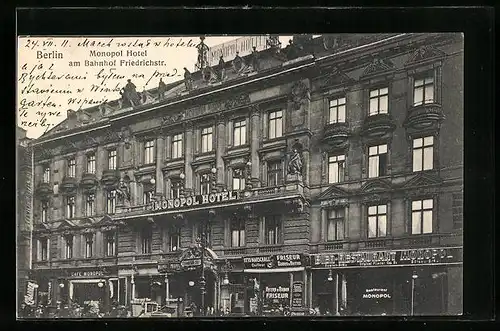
255	59
202	54
295	163
162	88
130	95
222	70
188	79
123	192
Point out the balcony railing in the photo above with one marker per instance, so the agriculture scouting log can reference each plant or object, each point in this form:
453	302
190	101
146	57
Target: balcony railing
110	177
271	249
43	189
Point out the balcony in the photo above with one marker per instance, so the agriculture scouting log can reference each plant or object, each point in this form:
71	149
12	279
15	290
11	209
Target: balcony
378	125
43	189
110	177
336	134
68	184
88	181
424	117
271	249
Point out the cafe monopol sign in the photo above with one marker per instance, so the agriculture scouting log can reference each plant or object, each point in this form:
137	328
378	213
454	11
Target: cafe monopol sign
193	201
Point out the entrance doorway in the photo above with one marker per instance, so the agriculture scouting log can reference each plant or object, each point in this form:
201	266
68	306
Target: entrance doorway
191	283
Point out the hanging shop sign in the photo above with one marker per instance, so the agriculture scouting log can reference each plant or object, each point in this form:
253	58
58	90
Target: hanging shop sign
297	294
29	297
192	201
273	261
389	257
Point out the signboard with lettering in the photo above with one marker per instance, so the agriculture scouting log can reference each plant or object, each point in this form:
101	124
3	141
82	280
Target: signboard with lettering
242	45
192	201
277	295
297	294
273	261
388	257
93	273
376	294
29	297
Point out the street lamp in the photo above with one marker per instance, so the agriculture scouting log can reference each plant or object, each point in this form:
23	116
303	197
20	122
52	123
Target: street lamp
330	276
152	181
100	284
61	285
182	176
191	283
413	278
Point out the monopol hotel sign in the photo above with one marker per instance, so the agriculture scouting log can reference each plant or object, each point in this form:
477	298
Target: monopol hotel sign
193	201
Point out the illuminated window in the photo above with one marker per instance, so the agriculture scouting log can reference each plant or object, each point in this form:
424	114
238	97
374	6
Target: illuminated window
149	152
275	124
206	139
70	206
336	168
423	150
423	91
90	204
112	159
177	150
68	247
91	163
46	174
176	188
337	110
272	225
239	133
379	101
377	221
174	238
421	216
335	225
45	211
71	167
377	161
205	180
110	243
111	202
238	179
274	173
237	232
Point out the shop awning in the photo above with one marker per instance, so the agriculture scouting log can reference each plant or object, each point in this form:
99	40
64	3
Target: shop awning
262	271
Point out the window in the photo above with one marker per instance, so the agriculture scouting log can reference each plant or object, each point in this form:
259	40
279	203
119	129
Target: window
237	232
238	179
174	238
45	211
423	150
377	221
335	225
205	183
46	174
421	216
43	245
91	163
71	168
239	133
70	206
337	110
377	161
274	173
273	230
199	232
89	244
336	169
110	243
177	150
147	239
90	204
275	124
423	91
206	139
110	201
112	159
176	188
149	152
379	101
68	247
147	197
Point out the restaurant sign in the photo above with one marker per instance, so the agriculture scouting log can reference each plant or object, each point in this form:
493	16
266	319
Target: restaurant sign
192	201
389	257
94	273
273	261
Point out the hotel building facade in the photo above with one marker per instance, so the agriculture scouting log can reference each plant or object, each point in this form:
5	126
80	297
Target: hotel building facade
329	174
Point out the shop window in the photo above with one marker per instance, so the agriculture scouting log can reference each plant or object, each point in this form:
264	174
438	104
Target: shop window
71	168
68	246
377	161
336	169
273	233
146	240
174	238
111	202
90	204
89	244
149	152
239	132
237	232
91	163
421	216
337	109
70	206
423	150
423	91
110	238
206	139
238	179
176	188
46	174
275	124
335	224
43	249
379	101
177	149
45	211
205	180
112	159
377	221
147	197
274	173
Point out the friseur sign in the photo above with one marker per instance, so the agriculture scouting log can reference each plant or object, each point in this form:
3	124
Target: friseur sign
389	257
273	261
196	200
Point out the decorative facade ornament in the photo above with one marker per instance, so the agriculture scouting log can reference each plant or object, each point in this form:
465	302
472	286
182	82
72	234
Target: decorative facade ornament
378	66
424	54
203	50
300	93
188	80
123	192
337	78
295	163
162	88
130	96
239	65
237	101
